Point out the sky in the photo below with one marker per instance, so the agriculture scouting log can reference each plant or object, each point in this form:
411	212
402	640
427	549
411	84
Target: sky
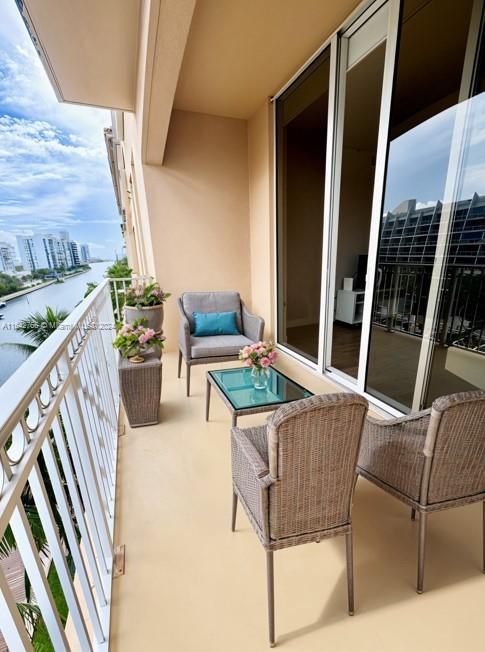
54	172
419	158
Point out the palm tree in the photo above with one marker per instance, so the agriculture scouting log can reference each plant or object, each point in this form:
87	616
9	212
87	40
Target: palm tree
38	326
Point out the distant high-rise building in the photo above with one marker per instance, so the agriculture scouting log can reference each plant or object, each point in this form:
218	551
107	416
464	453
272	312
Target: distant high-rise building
410	234
84	253
75	253
32	253
7	258
48	251
66	248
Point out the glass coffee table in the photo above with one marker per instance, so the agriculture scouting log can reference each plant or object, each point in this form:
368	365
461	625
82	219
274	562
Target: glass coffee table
237	392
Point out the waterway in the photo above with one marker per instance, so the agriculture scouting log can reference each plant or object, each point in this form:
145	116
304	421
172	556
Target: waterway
59	295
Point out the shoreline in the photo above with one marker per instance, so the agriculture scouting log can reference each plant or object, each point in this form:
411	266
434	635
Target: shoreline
21	293
34	288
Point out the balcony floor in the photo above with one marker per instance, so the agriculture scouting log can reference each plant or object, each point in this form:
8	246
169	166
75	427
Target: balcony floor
190	585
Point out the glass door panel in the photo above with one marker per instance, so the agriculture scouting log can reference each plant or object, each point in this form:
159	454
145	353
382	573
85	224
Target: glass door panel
301	137
362	85
426	93
458	355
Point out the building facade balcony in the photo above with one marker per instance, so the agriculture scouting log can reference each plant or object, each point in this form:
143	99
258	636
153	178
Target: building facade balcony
327	162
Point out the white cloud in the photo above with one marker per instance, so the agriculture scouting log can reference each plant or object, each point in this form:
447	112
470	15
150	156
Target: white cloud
426	204
53	166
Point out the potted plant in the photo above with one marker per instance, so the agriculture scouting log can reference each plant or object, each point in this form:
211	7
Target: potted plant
134	339
259	357
145	301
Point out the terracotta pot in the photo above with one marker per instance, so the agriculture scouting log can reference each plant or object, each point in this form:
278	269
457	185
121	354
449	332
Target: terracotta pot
153	315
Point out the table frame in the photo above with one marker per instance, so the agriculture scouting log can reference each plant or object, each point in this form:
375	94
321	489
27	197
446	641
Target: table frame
235	413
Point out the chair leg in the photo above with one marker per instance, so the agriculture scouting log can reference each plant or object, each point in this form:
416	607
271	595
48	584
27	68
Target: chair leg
350	572
234	511
421	550
413	514
188	378
180	364
270	583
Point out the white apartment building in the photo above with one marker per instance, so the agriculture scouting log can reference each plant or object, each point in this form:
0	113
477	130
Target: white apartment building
74	247
7	258
48	251
32	256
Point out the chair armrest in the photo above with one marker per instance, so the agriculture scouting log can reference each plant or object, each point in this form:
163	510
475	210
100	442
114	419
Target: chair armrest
392	450
251	478
253	326
184	332
251	456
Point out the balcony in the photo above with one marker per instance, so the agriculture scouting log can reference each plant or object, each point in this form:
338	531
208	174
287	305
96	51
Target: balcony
164	492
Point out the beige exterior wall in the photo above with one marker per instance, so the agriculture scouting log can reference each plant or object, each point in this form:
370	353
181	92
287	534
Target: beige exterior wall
139	233
260	157
198	202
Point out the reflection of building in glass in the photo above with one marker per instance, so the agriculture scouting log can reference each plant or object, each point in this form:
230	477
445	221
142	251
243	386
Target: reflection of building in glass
409	234
405	263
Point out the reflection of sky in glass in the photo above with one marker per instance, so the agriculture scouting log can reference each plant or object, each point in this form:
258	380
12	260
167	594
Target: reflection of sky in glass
473	178
418	159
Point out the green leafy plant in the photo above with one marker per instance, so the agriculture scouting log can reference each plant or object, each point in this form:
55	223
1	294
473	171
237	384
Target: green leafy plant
9	284
119	269
38	326
132	339
141	295
90	287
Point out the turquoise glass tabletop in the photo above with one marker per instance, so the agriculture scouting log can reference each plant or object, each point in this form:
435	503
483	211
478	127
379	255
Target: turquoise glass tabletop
238	388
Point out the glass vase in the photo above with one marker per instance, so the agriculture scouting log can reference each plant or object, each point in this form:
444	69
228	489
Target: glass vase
259	377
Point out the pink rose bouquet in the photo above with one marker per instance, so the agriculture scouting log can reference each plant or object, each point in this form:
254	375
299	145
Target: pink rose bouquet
260	355
132	339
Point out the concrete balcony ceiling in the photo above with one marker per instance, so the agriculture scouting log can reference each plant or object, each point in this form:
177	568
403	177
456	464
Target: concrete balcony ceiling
88	48
206	56
239	51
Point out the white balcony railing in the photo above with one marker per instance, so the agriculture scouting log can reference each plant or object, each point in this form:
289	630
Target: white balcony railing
58	440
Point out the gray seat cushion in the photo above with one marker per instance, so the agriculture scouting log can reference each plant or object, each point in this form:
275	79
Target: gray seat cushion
213	346
211	302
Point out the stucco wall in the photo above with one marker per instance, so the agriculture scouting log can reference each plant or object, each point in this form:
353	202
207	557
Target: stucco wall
260	159
198	203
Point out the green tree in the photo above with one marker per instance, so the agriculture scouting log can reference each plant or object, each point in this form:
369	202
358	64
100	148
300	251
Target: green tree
41	273
38	326
90	287
9	284
119	269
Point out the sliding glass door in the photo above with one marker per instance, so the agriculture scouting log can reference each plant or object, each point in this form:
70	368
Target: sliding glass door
301	119
380	198
458	338
422	138
362	57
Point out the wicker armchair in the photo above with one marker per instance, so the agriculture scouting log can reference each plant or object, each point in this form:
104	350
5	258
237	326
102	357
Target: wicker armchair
295	477
216	348
431	461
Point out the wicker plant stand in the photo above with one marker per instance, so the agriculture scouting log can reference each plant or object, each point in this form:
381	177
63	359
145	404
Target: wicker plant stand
140	387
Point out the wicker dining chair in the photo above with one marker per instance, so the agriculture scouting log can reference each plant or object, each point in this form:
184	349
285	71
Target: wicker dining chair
295	477
432	460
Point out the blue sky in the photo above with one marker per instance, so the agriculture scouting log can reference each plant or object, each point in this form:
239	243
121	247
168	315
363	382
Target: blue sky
419	158
54	171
